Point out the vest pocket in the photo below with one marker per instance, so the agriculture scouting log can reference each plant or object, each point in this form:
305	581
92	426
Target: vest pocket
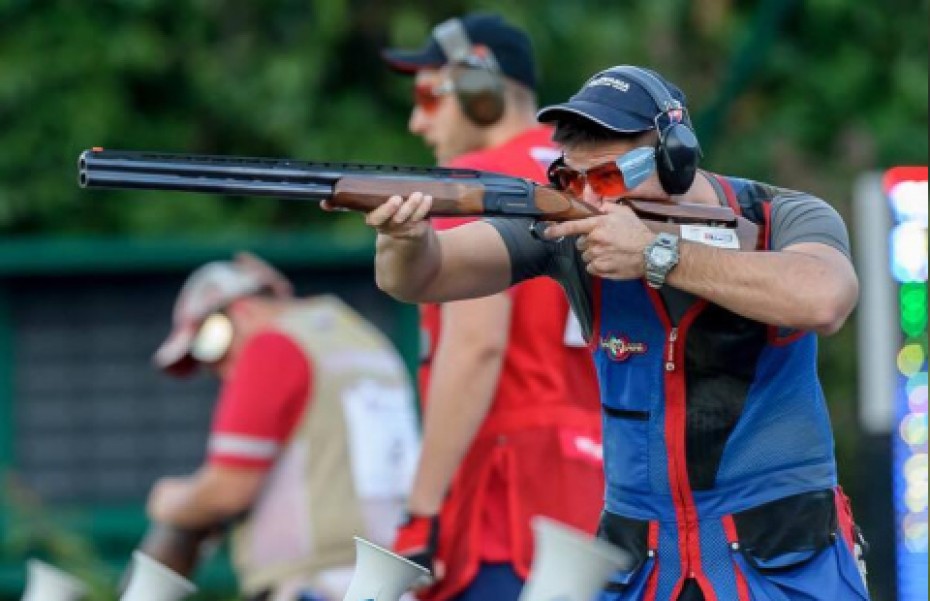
626	449
632	537
793	546
821	575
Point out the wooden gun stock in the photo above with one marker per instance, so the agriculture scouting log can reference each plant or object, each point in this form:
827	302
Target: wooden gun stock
370	192
366	193
669	217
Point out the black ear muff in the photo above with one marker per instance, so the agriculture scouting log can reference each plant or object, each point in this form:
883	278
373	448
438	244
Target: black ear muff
476	78
552	170
677	158
480	93
678	151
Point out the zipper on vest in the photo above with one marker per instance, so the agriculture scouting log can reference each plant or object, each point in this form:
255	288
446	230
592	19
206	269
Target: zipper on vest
675	365
670	349
682	492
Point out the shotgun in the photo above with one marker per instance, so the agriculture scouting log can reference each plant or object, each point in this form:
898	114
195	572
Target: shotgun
363	187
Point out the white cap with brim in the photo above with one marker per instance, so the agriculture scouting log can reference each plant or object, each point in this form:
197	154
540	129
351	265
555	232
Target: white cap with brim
207	290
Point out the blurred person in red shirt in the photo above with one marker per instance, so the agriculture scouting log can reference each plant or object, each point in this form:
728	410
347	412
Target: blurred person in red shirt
314	434
511	409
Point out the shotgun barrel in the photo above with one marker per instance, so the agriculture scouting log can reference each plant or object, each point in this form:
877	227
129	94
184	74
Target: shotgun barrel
364	187
354	186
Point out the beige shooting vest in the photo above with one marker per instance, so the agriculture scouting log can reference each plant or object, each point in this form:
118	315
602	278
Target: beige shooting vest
347	468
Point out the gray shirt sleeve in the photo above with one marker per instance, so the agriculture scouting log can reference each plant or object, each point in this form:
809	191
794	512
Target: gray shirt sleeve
529	256
798	217
532	257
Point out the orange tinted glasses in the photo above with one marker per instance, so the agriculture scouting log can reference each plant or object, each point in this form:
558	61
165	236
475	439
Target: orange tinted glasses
426	96
605	179
613	178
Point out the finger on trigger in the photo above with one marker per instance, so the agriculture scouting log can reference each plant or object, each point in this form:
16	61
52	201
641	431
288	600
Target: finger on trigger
571	228
554	231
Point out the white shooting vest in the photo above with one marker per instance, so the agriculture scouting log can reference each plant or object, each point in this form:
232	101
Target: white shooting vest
348	466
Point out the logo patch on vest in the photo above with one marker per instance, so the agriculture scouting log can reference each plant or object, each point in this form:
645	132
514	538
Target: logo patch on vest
619	348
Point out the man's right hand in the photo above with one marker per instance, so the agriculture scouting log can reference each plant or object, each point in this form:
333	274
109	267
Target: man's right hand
417	540
400	218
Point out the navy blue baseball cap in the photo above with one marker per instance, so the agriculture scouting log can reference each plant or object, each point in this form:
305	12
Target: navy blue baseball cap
619	101
509	44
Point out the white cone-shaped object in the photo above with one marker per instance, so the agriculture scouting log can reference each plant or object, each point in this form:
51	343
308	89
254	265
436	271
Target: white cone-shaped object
569	565
381	575
48	583
152	581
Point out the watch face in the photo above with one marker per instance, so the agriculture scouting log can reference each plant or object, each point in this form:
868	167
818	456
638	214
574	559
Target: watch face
661	257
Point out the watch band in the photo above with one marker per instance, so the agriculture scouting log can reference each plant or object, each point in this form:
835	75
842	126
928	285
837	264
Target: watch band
657	272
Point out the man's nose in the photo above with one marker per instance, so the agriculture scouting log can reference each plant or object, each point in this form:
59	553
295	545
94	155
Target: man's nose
418	121
589	196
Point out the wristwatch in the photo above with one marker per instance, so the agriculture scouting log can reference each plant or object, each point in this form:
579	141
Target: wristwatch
661	257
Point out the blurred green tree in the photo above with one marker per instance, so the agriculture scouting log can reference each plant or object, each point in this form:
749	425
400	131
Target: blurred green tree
806	94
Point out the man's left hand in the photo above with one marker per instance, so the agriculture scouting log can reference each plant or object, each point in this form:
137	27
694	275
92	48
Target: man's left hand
166	495
611	244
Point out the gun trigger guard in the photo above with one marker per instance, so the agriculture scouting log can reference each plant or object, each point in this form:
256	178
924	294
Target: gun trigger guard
538	228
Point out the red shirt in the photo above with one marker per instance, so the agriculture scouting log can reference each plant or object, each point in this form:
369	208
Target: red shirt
539	369
261	402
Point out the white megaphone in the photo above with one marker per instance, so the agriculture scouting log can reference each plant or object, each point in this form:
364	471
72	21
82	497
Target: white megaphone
381	575
48	583
152	581
569	565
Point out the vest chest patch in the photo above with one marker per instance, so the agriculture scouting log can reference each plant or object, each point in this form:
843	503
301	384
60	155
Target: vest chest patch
619	347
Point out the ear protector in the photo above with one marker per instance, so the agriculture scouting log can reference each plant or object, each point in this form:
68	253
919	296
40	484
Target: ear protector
213	339
678	151
476	78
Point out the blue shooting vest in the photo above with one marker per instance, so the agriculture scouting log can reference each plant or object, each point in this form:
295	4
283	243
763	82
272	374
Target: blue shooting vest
704	421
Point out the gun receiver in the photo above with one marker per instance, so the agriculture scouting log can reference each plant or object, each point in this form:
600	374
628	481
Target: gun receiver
364	187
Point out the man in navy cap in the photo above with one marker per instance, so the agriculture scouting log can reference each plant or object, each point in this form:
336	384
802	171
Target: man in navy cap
718	450
511	420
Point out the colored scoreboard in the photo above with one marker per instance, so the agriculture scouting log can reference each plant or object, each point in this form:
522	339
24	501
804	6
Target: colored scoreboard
905	188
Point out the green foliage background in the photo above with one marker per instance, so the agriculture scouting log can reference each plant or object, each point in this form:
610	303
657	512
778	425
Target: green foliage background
805	94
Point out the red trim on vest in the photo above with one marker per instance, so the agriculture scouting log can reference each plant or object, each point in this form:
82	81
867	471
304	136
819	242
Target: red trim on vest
652	585
652	543
844	518
652	540
729	527
766	230
742	587
767	225
775	340
728	192
686	518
